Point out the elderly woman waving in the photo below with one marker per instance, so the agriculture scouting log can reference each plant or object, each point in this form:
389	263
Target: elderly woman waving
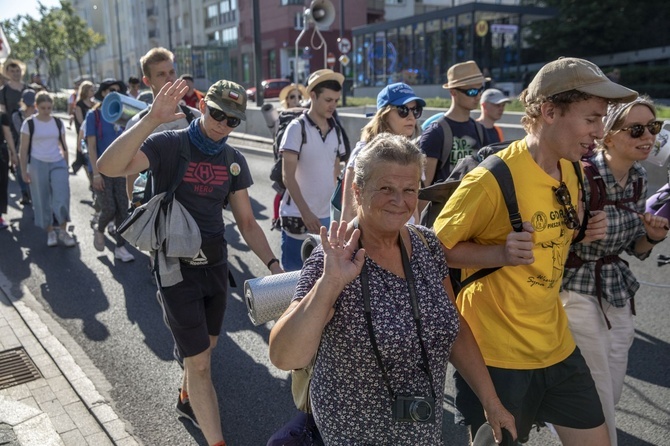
376	308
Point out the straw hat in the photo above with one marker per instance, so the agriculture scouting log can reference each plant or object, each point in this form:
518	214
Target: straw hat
322	76
464	74
283	94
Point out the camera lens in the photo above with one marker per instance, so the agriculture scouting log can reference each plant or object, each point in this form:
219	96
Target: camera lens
420	411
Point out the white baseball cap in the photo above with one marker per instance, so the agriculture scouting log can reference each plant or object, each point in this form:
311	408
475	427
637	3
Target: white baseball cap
494	96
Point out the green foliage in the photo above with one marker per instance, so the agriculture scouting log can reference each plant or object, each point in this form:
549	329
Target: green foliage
47	41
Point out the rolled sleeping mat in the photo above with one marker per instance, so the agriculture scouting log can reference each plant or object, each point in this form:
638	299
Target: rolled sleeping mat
119	109
659	203
311	242
271	116
268	297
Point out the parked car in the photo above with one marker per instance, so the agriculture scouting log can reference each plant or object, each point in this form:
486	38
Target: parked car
271	88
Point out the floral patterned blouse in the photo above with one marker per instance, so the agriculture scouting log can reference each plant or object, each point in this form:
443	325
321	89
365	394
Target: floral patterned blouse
350	400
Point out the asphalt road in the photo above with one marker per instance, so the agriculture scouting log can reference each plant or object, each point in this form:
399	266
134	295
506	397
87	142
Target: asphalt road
110	309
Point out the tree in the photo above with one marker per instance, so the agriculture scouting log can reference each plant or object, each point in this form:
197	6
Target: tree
48	35
585	28
21	44
79	37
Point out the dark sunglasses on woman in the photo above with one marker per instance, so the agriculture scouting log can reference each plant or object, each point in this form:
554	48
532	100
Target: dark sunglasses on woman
220	116
403	111
637	130
295	97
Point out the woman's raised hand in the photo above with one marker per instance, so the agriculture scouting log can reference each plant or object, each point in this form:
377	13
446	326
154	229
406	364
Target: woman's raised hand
340	263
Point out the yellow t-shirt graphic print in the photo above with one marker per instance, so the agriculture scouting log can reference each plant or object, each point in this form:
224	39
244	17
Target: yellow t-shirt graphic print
515	312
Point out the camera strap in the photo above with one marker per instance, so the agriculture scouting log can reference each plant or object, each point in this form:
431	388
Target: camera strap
409	276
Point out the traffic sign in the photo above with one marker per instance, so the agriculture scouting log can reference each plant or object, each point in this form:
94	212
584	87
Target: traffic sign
344	45
330	60
344	60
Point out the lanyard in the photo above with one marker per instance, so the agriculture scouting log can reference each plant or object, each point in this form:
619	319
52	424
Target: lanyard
409	276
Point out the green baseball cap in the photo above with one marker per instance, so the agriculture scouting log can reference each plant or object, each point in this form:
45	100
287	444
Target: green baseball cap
228	97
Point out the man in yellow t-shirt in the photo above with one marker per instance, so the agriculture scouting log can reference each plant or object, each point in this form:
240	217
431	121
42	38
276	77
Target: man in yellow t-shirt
515	313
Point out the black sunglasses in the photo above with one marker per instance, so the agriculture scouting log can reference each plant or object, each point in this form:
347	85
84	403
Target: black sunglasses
220	116
471	92
637	130
403	111
295	97
562	194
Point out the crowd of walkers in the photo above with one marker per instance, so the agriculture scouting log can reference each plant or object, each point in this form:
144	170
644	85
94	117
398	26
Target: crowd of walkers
533	305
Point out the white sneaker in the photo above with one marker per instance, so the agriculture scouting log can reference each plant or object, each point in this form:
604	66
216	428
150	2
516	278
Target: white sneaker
52	239
66	239
121	253
111	228
98	240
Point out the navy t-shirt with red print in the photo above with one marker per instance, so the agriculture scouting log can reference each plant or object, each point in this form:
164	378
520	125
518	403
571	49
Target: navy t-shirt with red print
206	183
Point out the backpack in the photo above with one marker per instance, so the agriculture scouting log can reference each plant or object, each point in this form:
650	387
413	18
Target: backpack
598	197
286	117
448	141
31	131
143	196
439	193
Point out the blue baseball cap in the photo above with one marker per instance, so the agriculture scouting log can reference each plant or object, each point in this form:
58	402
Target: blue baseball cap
398	94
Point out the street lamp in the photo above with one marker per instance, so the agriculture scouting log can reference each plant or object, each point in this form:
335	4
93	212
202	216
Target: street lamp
118	37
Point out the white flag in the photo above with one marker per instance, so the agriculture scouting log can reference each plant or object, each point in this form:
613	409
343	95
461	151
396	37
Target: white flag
4	47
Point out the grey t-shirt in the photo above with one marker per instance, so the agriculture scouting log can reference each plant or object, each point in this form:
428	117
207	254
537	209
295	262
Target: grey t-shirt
10	98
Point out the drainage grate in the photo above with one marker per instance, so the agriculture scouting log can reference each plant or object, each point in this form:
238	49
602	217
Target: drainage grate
16	368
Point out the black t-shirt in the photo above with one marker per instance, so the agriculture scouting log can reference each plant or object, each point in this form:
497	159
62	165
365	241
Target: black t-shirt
206	183
4	121
84	109
10	98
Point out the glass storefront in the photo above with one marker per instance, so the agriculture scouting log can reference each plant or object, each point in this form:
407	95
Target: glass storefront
419	50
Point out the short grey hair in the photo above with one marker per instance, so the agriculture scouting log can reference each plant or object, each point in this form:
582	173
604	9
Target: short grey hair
386	147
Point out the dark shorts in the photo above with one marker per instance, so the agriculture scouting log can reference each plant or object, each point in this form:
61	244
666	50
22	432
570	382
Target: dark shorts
563	394
194	308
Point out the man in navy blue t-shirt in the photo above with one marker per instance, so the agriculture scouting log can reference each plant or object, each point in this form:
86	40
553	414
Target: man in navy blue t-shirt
195	307
465	84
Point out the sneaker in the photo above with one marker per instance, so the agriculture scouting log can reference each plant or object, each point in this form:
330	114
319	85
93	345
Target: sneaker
111	228
99	240
121	253
184	410
94	220
25	199
3	224
66	239
52	239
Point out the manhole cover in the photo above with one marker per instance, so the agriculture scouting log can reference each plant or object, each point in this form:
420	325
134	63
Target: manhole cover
16	368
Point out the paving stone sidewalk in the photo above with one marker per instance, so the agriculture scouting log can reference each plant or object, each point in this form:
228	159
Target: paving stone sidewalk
63	406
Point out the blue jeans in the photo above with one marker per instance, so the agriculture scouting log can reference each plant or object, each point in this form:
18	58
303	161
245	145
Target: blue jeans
291	247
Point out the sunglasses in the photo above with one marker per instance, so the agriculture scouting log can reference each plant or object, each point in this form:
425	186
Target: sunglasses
115	90
471	92
403	111
220	116
571	218
637	130
295	97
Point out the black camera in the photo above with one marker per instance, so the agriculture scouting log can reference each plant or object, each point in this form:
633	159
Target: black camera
412	409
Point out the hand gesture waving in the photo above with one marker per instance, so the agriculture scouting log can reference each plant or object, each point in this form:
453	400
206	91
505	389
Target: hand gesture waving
166	101
341	266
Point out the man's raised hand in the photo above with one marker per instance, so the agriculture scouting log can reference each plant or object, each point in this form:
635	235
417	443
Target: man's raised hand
164	107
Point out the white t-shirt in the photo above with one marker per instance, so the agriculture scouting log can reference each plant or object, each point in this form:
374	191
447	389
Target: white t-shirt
45	146
315	169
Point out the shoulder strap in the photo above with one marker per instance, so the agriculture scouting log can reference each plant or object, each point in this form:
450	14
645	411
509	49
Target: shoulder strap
61	131
588	205
303	133
480	132
503	176
598	190
499	132
416	230
184	159
447	143
187	111
98	123
31	130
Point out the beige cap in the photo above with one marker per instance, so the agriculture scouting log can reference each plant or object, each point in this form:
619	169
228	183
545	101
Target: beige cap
228	97
570	73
